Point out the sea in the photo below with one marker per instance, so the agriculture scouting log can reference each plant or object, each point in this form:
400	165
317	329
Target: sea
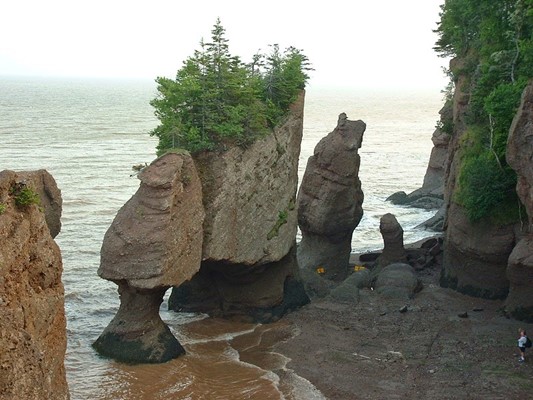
89	133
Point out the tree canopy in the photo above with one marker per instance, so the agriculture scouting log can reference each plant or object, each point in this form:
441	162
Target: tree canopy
216	98
495	43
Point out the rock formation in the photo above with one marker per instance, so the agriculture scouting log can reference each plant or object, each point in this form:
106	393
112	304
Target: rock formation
154	242
49	194
250	228
397	281
475	255
32	316
330	200
393	250
431	194
519	303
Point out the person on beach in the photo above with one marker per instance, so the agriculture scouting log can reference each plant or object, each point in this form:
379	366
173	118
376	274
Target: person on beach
522	344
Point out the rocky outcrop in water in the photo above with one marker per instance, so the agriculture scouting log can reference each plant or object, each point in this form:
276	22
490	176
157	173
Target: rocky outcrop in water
431	195
154	242
330	200
519	303
248	265
32	315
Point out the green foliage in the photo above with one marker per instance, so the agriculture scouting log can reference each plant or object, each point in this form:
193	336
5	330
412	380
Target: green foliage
494	41
282	219
2	208
487	190
24	196
217	99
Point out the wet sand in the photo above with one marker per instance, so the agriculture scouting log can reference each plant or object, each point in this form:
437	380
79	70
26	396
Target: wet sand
371	350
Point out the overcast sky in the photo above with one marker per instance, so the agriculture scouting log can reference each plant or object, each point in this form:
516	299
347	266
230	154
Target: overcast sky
357	43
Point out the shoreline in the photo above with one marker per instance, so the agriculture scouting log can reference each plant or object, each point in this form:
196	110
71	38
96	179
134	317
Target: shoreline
371	350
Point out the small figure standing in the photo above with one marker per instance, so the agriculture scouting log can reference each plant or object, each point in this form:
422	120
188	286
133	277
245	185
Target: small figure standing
522	340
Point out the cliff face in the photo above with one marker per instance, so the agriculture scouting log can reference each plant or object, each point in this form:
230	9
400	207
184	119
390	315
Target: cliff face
475	254
33	326
250	194
249	198
519	303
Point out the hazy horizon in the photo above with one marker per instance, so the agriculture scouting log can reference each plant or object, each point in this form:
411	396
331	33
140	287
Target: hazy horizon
357	44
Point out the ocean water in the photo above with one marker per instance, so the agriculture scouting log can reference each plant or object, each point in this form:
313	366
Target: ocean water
89	133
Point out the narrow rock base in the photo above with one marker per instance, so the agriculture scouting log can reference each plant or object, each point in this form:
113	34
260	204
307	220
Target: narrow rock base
137	334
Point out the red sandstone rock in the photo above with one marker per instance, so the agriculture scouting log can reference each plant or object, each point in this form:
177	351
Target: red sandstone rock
32	316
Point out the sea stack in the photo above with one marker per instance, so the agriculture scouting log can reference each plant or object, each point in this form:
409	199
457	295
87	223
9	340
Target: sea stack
330	200
154	242
249	268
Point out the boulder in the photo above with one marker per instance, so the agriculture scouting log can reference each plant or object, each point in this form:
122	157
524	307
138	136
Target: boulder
33	327
249	267
154	242
316	286
330	200
397	282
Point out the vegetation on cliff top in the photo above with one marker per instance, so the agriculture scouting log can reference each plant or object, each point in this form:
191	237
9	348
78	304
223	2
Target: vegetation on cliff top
493	40
216	98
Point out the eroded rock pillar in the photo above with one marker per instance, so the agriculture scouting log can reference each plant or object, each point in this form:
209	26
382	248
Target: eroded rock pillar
137	334
330	200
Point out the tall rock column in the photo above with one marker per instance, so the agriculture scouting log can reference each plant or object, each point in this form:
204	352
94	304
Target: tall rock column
330	200
33	336
519	303
249	269
154	242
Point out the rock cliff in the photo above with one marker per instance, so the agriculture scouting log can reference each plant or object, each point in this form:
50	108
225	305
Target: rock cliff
250	228
475	254
519	303
33	327
154	242
330	200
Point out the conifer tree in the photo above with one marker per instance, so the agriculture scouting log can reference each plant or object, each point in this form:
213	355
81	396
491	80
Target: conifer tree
216	98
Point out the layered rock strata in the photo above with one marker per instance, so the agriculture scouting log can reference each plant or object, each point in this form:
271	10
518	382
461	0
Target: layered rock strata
154	242
519	303
249	228
32	315
330	200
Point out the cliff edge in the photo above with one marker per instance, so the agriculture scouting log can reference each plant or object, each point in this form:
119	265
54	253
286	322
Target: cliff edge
33	326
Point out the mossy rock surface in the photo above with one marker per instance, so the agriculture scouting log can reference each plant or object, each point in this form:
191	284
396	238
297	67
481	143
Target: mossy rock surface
135	351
